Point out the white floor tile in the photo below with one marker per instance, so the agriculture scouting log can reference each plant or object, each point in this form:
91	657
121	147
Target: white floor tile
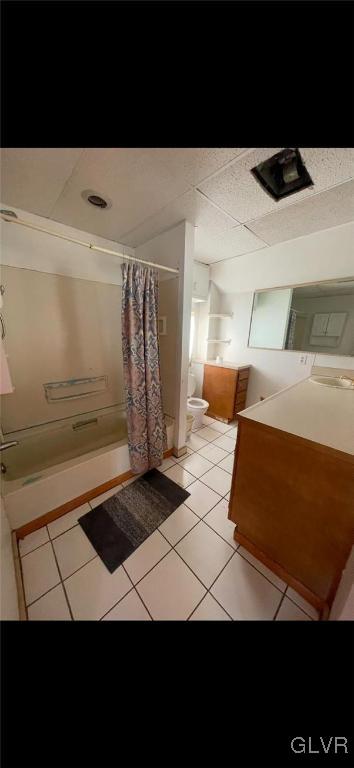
225	442
209	610
207	433
129	609
51	607
227	497
181	458
104	496
33	540
201	498
213	453
196	464
93	591
263	569
67	521
72	549
167	463
244	592
180	475
195	443
207	420
146	556
232	433
171	591
220	426
218	520
228	463
290	612
205	553
40	572
218	480
302	603
178	524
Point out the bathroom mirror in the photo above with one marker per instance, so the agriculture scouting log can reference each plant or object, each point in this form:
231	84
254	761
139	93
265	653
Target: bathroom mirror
307	318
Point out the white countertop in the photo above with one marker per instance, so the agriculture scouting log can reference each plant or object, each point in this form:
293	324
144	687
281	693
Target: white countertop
322	414
234	366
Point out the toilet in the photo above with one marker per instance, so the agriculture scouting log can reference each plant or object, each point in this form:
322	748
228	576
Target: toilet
196	407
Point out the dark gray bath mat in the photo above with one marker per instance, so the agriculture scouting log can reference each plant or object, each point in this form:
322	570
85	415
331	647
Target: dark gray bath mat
119	525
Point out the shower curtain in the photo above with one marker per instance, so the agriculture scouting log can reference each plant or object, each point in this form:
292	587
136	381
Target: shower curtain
141	363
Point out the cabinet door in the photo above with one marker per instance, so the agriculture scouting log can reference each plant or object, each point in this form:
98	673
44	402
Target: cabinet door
336	323
219	389
319	324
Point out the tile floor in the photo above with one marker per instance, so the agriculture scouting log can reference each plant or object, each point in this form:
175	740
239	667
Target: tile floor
190	568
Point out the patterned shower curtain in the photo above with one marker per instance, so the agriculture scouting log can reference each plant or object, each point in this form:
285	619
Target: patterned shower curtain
141	363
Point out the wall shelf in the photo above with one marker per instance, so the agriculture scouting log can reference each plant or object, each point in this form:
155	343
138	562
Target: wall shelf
223	316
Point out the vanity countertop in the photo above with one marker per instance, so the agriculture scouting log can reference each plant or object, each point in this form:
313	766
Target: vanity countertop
234	366
324	415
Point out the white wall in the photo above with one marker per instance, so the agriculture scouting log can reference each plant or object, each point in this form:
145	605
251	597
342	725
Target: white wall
22	247
168	307
9	600
322	256
175	248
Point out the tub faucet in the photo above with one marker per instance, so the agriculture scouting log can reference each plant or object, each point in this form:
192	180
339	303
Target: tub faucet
4	446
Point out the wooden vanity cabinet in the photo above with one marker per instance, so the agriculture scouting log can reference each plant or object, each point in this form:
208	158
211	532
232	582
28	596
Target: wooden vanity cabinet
292	501
225	389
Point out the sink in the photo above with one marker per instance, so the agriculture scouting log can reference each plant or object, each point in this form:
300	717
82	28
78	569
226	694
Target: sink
333	381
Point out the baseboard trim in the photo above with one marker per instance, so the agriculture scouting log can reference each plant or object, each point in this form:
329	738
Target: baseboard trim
318	603
22	610
54	514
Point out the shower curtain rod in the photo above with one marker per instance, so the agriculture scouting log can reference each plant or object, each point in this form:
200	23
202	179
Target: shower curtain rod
10	217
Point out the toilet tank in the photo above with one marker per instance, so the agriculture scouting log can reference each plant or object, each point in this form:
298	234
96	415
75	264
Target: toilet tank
191	384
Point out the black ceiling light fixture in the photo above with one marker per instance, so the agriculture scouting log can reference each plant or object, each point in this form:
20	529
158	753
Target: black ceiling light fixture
283	174
95	199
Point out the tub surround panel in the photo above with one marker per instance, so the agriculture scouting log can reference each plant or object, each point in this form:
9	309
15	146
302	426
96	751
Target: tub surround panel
70	480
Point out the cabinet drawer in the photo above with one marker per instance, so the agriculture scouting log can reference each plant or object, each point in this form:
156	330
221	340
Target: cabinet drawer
242	386
241	398
243	374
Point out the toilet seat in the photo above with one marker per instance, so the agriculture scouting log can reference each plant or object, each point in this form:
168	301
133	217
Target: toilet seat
195	403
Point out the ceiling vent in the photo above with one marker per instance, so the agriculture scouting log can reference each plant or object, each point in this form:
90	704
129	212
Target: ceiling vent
95	199
283	174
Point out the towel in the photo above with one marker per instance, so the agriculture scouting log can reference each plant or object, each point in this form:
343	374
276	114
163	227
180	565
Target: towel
5	378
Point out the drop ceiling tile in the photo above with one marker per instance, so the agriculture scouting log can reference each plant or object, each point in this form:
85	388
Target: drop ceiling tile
226	245
322	211
191	206
32	179
136	181
139	182
237	191
328	166
196	164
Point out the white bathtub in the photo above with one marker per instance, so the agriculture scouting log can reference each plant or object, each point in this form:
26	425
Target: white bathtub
55	463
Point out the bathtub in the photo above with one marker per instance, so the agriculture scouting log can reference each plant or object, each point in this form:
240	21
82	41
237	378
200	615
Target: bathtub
60	461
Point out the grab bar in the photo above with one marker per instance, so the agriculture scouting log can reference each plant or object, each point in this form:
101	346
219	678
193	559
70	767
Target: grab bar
51	388
3	328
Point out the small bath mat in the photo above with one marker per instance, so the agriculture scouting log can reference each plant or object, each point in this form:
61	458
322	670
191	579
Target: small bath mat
119	525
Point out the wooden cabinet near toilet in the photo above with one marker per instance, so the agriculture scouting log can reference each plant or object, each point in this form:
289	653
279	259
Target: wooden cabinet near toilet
225	389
